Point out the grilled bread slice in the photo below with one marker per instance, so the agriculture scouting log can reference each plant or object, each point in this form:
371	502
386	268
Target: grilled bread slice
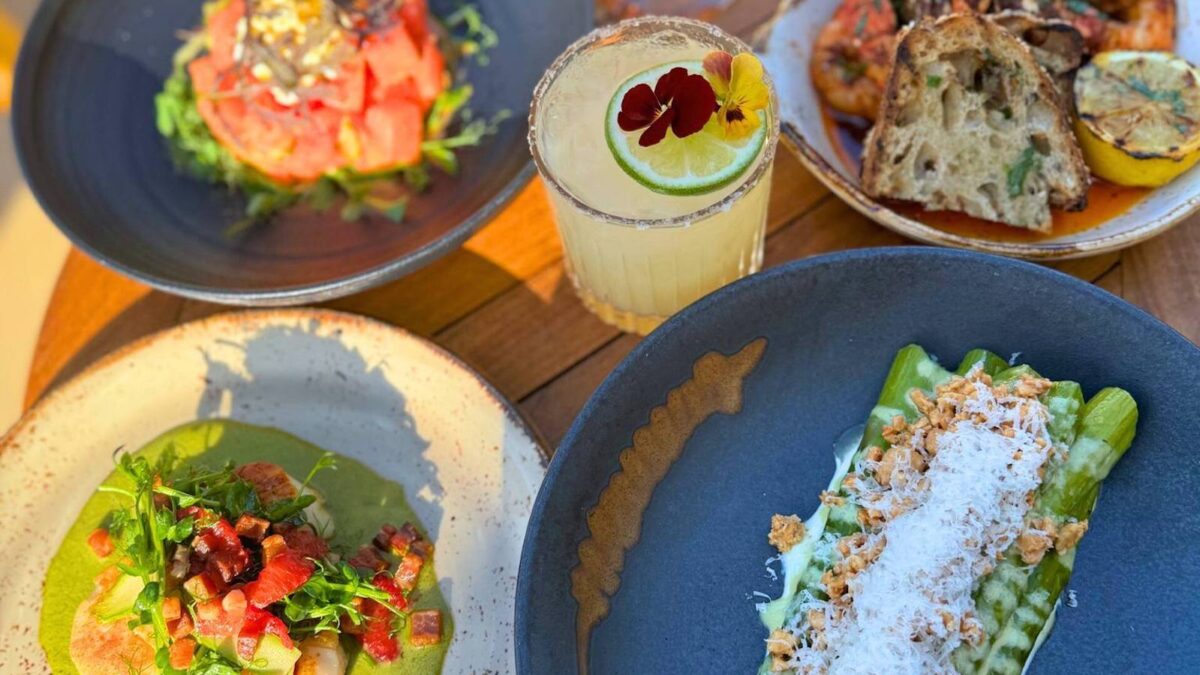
970	122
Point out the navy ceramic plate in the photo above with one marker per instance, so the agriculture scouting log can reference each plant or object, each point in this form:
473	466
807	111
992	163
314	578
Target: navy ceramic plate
799	353
83	117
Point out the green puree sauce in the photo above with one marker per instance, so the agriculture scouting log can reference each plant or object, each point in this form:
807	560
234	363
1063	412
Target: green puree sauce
358	499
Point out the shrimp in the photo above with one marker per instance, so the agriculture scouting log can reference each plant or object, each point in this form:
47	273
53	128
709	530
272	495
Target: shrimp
853	56
1144	25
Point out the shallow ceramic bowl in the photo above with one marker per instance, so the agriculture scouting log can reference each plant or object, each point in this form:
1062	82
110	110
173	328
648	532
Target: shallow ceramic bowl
83	118
787	47
400	405
729	413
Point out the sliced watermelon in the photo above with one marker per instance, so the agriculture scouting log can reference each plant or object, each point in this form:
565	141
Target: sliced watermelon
348	92
415	15
393	57
370	117
391	134
222	32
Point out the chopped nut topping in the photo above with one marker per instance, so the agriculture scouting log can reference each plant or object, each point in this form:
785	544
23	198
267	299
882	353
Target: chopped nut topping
1069	535
1033	547
781	645
786	531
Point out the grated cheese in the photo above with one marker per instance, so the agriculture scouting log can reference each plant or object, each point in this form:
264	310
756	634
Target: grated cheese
911	606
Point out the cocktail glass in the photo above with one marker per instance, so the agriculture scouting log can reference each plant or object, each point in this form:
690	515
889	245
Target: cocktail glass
636	256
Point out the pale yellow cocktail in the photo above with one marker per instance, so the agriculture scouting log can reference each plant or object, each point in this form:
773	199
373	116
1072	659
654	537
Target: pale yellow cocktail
636	256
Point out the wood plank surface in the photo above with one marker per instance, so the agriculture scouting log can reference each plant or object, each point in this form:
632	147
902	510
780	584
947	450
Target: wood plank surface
504	304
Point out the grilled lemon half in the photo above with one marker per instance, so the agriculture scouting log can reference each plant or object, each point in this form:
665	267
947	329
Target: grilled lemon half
1138	116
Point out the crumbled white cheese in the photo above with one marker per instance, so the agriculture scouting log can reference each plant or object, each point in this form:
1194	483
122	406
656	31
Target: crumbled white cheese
910	606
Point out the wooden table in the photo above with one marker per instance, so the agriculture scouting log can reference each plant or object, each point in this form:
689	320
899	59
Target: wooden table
503	304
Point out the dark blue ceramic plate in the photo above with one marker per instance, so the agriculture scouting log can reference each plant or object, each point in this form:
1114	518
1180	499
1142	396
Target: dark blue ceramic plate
683	601
83	117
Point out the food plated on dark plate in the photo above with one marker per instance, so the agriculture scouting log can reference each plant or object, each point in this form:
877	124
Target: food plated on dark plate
1041	130
989	517
304	493
278	151
947	534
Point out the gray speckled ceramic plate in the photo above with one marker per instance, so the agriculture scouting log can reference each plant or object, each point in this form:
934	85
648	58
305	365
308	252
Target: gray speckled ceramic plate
787	48
410	411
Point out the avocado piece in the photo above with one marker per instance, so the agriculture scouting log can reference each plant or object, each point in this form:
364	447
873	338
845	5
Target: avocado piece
118	600
272	657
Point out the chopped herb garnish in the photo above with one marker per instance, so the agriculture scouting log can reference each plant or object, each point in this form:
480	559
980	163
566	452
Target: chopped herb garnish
1019	172
933	81
1172	96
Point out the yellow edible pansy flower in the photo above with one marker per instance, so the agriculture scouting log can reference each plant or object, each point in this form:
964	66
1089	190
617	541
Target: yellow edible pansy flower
739	86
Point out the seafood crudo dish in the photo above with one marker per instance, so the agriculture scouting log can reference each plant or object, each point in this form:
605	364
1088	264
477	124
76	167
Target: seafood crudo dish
295	101
189	561
947	535
1010	111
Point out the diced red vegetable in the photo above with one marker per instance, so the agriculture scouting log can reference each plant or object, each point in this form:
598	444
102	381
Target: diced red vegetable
260	622
171	608
100	543
201	515
252	528
368	558
383	540
181	626
214	620
304	540
402	539
379	639
222	553
395	593
426	627
285	573
181	653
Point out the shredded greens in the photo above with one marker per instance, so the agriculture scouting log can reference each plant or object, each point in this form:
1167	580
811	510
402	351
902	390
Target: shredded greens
449	126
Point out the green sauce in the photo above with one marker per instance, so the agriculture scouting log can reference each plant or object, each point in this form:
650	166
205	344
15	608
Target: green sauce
358	499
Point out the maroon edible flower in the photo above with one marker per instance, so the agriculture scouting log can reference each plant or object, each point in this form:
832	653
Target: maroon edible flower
679	101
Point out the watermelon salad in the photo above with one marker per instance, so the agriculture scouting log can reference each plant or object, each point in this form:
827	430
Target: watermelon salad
221	572
296	101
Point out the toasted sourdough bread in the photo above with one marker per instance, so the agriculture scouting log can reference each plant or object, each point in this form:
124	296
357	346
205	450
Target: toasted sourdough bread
970	122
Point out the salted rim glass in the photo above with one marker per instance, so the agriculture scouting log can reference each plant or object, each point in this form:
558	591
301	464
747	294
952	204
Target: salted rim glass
635	29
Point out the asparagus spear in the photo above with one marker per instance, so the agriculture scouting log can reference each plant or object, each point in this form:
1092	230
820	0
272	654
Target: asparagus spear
1003	601
911	368
992	363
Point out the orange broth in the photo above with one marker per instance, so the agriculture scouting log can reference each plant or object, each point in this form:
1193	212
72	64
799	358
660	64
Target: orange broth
1105	200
